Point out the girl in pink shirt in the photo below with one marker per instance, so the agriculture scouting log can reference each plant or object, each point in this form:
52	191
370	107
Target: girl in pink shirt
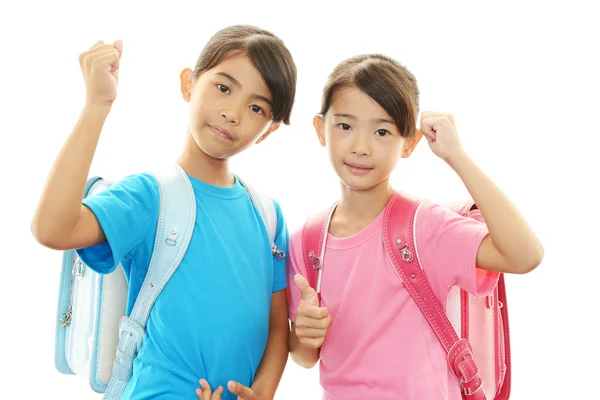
369	334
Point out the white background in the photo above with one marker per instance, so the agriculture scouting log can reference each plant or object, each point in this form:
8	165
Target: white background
522	81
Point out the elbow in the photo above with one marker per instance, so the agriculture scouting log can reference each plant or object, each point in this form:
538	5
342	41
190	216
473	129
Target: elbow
46	241
40	234
45	236
533	261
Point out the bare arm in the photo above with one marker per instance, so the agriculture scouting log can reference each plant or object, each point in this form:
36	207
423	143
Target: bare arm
273	362
271	367
60	221
511	245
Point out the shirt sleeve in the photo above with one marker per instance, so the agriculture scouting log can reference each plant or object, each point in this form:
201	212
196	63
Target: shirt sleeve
126	213
281	241
447	244
295	265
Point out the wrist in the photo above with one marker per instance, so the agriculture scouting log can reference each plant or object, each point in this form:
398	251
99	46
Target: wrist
262	393
458	160
97	106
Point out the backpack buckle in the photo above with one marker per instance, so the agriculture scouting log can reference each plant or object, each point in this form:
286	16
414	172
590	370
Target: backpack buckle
171	239
407	255
279	254
66	316
316	262
78	267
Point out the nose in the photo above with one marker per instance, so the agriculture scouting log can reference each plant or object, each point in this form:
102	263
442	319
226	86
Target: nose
360	145
231	113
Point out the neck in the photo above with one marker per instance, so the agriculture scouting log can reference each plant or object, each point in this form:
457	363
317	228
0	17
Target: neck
357	205
200	165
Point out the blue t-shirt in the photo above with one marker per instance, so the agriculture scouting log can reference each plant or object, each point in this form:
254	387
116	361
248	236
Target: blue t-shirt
212	318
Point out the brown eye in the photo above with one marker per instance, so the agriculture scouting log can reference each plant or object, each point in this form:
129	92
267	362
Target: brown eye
382	132
257	109
223	88
345	127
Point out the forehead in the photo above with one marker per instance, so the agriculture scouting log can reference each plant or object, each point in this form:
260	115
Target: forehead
243	71
351	100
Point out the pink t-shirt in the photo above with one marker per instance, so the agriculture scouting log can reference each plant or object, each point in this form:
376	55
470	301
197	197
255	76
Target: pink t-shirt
379	345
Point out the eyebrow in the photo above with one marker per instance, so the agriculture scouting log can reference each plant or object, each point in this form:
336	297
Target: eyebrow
239	85
378	120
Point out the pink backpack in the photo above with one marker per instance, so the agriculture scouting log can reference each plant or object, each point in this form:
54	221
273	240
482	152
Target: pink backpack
480	358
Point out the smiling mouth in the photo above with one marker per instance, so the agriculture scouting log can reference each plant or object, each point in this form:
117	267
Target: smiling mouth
358	169
221	132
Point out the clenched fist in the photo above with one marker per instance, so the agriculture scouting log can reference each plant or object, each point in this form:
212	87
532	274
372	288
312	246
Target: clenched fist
100	69
440	131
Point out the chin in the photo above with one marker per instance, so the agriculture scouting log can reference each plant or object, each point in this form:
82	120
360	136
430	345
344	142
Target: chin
360	183
357	184
217	152
213	149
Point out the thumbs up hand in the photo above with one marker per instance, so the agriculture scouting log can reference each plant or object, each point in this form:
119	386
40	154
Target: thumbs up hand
312	321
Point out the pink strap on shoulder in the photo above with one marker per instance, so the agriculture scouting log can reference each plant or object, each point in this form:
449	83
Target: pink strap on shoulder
399	240
314	236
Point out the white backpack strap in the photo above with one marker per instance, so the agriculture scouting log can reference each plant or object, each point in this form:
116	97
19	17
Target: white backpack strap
266	208
174	230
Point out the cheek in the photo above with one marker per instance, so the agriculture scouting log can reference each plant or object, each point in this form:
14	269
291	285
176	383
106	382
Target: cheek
391	153
256	124
336	141
203	100
195	105
337	153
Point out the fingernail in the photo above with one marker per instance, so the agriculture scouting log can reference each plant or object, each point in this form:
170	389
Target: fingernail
231	385
203	382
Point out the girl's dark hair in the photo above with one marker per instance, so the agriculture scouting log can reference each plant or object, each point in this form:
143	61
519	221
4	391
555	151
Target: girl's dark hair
383	79
267	53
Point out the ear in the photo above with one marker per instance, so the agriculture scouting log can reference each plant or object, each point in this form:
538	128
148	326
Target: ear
319	125
265	135
411	143
186	78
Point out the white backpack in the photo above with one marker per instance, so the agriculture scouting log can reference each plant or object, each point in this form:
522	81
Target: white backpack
94	338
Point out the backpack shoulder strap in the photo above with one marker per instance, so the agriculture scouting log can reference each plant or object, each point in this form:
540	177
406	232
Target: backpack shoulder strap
266	208
176	219
177	215
399	241
314	237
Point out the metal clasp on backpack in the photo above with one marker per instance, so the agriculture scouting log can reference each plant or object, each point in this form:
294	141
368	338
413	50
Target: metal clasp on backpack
279	254
316	262
407	255
78	267
171	239
66	319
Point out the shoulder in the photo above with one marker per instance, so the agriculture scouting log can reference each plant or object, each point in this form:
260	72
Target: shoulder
312	225
430	212
438	225
138	185
434	214
143	181
278	211
137	194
